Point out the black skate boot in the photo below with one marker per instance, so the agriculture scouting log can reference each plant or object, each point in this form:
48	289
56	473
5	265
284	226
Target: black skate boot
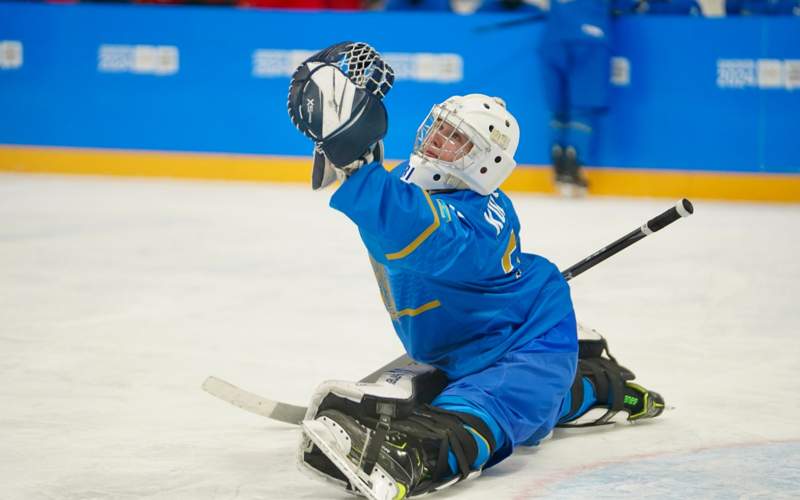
559	166
408	458
570	180
401	463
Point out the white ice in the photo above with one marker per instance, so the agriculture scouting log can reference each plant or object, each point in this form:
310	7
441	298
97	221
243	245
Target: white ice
119	296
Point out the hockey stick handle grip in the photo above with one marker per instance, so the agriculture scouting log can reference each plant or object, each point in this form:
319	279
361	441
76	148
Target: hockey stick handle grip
681	209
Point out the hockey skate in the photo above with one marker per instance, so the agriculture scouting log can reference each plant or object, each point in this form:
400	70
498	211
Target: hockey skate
569	178
405	465
613	385
385	441
382	461
640	403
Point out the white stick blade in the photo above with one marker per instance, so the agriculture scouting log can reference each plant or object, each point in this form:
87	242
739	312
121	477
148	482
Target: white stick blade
253	403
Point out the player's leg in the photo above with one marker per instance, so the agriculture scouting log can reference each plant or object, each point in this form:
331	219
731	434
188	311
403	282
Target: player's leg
403	446
384	438
602	383
555	87
520	396
589	91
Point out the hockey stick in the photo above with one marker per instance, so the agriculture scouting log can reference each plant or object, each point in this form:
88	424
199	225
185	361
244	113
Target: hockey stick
511	23
292	414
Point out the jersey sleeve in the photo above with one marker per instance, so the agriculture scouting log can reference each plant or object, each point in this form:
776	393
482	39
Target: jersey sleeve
402	225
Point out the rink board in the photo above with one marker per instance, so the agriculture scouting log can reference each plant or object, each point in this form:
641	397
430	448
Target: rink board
528	178
200	93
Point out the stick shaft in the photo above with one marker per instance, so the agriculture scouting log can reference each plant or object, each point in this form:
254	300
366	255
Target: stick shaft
681	209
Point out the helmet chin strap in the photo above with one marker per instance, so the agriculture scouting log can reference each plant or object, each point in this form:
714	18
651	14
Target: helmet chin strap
424	169
455	182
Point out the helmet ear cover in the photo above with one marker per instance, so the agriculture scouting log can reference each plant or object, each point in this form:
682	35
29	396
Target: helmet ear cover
489	127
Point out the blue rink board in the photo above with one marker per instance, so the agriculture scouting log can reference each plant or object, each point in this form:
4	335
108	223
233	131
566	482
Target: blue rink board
673	114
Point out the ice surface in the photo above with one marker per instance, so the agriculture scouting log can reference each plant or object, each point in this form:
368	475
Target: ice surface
118	298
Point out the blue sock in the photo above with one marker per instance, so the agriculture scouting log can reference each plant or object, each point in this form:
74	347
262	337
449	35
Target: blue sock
589	399
558	129
480	460
579	132
459	405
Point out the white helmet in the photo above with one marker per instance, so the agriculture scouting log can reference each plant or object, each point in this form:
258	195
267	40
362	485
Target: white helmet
465	142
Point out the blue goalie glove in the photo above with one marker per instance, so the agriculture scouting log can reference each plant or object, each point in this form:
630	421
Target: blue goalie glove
335	100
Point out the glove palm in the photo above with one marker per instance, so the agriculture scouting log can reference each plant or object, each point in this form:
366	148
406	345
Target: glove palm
346	119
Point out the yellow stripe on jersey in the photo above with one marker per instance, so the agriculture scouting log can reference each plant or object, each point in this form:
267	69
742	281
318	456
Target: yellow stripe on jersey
419	310
506	261
422	237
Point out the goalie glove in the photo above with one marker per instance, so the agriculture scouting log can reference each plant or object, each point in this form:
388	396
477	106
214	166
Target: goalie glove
361	63
364	67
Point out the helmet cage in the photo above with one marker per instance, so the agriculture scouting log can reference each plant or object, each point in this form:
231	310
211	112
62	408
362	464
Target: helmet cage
467	153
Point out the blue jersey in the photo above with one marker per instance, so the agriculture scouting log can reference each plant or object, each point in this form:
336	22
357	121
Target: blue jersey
675	7
577	20
582	20
458	288
762	7
447	6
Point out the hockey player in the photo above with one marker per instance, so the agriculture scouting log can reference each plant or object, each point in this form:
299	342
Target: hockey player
575	52
497	324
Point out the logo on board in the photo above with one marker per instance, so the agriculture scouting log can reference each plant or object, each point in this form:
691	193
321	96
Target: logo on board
758	73
414	66
158	60
10	54
620	71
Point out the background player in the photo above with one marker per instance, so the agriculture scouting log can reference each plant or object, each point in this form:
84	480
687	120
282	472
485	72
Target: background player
575	52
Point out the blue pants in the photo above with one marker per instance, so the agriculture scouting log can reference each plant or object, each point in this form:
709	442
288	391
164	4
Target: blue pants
576	76
577	88
520	396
